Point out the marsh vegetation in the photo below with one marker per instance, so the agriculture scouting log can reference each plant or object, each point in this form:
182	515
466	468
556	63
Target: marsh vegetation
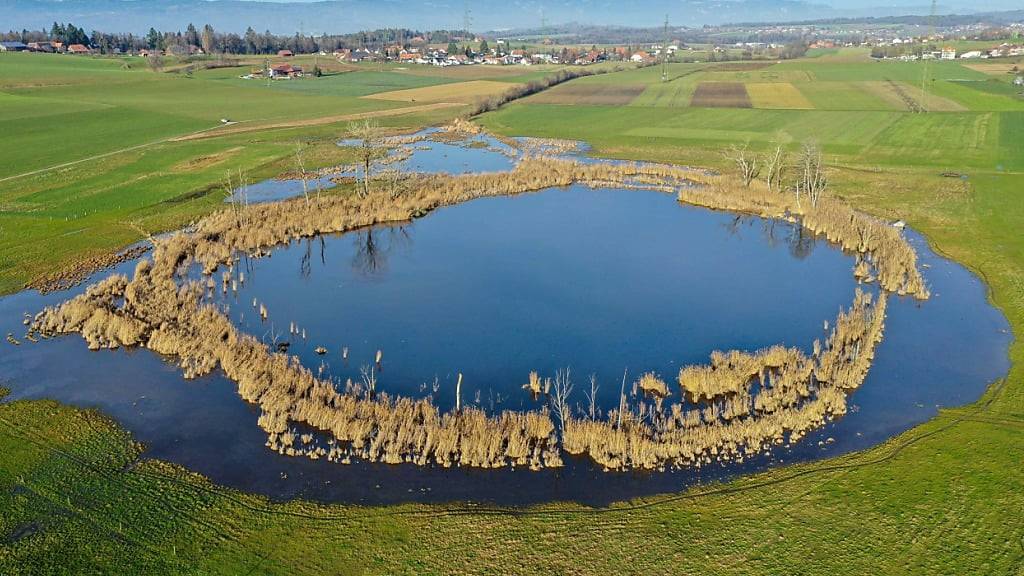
737	406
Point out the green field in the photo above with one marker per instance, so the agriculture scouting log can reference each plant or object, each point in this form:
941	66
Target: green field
98	132
943	498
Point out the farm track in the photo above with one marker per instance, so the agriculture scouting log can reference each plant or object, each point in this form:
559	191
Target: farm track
108	154
236	129
909	102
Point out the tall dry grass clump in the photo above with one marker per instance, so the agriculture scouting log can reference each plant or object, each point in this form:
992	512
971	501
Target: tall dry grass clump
738	405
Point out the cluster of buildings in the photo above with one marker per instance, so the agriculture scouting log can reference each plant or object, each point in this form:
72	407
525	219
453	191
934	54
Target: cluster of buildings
48	47
1004	50
276	72
503	55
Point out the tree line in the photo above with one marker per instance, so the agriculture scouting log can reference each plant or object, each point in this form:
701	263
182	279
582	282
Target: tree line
214	42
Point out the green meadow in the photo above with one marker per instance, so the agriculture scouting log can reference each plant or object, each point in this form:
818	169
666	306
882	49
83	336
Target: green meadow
79	497
89	162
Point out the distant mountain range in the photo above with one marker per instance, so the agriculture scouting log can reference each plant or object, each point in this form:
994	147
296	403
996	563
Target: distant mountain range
341	16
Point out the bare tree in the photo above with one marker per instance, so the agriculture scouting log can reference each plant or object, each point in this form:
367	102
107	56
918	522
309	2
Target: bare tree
235	194
370	147
155	62
592	398
811	178
745	161
395	182
775	166
301	166
562	389
369	379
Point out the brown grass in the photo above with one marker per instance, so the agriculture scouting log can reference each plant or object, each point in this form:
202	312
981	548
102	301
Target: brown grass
720	95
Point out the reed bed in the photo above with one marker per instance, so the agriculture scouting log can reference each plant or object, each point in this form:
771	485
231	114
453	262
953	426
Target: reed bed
796	395
159	308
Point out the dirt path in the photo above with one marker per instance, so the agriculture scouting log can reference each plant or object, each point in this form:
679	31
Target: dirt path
241	127
238	129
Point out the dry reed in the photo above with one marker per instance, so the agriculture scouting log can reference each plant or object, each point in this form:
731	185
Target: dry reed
160	309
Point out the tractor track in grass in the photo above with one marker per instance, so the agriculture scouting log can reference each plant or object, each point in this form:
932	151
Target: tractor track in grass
111	153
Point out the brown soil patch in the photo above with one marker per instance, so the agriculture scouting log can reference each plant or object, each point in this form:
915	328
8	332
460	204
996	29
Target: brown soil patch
200	162
590	94
721	95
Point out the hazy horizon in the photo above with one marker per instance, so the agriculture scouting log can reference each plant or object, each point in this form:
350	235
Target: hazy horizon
342	16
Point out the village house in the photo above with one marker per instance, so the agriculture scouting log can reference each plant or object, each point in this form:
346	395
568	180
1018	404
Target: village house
41	47
285	71
284	54
360	55
13	47
948	53
78	49
971	54
641	57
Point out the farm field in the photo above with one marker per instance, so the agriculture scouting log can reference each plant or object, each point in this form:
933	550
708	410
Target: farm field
120	176
466	92
591	94
938	499
720	95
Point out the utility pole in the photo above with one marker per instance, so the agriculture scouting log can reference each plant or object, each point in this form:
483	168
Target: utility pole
467	17
927	61
664	53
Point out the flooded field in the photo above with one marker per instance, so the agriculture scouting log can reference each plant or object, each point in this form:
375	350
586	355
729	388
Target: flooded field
604	282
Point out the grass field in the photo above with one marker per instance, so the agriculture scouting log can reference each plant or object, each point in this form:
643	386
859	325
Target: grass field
467	92
592	94
777	95
943	498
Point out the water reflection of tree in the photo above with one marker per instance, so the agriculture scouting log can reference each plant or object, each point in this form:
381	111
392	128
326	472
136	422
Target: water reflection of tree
801	242
374	246
305	261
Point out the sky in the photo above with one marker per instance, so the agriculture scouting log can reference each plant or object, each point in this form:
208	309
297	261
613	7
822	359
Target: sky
340	16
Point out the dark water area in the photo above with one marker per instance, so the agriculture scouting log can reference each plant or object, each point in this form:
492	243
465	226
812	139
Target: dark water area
599	281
